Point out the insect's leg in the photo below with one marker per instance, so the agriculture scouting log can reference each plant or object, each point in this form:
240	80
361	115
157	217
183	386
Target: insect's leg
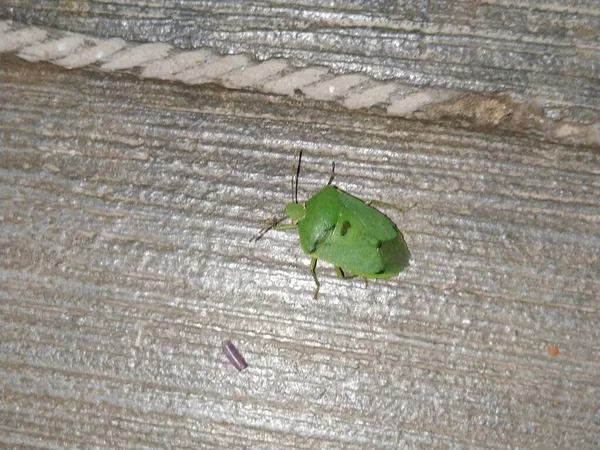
273	224
332	173
285	226
341	274
313	266
264	230
390	205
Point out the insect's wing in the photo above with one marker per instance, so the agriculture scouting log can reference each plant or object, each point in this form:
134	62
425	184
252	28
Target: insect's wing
395	256
377	223
320	218
364	258
359	258
365	241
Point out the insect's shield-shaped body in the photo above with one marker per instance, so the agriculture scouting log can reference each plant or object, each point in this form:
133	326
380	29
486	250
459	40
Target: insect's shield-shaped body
345	231
353	236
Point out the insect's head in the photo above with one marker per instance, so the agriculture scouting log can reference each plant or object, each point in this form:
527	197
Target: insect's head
295	211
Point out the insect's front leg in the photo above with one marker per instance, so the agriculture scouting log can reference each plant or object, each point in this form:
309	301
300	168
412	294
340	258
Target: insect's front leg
285	226
273	224
313	272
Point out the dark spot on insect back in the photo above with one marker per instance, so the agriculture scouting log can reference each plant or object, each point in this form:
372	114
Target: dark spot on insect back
345	227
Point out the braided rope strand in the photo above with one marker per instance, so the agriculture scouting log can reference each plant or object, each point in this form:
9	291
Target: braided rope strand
281	77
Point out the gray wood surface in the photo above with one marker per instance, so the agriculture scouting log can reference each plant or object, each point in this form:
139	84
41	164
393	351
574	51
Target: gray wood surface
127	210
127	207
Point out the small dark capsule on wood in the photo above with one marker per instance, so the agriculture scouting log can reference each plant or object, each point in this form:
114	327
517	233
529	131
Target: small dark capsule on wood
234	356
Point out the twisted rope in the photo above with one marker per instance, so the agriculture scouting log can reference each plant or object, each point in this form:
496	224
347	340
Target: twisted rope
282	77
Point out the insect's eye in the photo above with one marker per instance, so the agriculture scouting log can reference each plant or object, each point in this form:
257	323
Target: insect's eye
345	227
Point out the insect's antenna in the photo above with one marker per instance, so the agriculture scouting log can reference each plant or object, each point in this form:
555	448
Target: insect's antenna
332	173
296	176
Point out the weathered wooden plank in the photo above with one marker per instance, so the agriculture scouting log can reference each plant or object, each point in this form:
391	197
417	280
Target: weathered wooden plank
126	213
546	50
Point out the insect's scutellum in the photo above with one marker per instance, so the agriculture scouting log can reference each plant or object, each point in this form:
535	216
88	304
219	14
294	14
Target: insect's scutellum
234	356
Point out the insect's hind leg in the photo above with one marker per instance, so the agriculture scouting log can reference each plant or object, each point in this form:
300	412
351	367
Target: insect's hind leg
313	272
340	273
390	205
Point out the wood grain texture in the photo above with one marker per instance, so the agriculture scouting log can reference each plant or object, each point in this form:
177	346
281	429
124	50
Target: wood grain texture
126	211
548	50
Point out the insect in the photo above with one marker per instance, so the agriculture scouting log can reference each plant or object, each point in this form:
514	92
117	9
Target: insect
345	231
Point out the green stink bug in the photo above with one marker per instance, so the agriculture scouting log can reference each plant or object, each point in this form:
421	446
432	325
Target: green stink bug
345	231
